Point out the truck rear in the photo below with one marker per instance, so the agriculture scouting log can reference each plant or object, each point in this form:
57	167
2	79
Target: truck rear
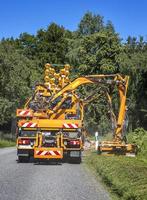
49	139
46	127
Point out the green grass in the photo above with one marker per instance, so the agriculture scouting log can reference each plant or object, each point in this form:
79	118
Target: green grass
6	143
126	177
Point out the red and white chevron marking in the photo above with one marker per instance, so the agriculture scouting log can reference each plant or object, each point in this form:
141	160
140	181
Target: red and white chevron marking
29	125
71	125
48	153
24	113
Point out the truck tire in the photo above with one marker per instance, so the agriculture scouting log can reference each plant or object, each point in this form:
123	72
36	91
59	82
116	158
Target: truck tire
78	160
75	160
22	159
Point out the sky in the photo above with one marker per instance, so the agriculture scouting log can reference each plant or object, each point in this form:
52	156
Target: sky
129	17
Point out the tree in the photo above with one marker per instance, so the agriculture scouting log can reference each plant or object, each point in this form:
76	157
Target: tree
132	61
28	44
98	53
51	44
17	76
109	26
90	24
93	49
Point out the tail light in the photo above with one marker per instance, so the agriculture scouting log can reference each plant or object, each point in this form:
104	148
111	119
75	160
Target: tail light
24	141
75	142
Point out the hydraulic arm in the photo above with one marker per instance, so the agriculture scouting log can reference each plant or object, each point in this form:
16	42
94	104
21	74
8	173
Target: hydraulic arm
117	145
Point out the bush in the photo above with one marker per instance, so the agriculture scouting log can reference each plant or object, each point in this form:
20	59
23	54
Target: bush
139	137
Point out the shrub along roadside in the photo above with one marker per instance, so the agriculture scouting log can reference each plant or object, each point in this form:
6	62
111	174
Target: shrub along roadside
139	137
6	143
126	177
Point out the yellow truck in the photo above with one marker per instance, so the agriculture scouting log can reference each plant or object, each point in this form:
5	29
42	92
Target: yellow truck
51	129
51	126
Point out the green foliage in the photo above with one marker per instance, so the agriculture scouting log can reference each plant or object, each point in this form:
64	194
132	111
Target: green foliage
6	143
139	137
28	44
5	110
17	76
98	53
93	49
110	27
132	61
72	53
90	24
52	44
97	117
126	177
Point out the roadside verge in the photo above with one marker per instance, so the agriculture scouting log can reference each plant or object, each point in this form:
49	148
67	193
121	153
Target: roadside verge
126	177
6	143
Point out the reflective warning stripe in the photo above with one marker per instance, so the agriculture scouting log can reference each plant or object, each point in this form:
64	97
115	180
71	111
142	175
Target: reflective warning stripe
75	125
65	125
45	153
24	113
29	125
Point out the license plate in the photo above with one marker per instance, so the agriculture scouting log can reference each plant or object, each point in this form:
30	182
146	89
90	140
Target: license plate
74	154
24	146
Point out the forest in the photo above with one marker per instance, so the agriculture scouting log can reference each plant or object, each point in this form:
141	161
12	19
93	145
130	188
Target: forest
94	48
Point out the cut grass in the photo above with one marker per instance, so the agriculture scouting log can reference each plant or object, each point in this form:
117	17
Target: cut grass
6	143
126	177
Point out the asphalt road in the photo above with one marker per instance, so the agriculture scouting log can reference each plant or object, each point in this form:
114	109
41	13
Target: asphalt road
29	181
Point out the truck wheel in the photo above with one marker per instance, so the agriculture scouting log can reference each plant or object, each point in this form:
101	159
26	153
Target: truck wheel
22	159
75	160
78	160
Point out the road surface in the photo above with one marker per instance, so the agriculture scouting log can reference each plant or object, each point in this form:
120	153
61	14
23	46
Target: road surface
29	181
